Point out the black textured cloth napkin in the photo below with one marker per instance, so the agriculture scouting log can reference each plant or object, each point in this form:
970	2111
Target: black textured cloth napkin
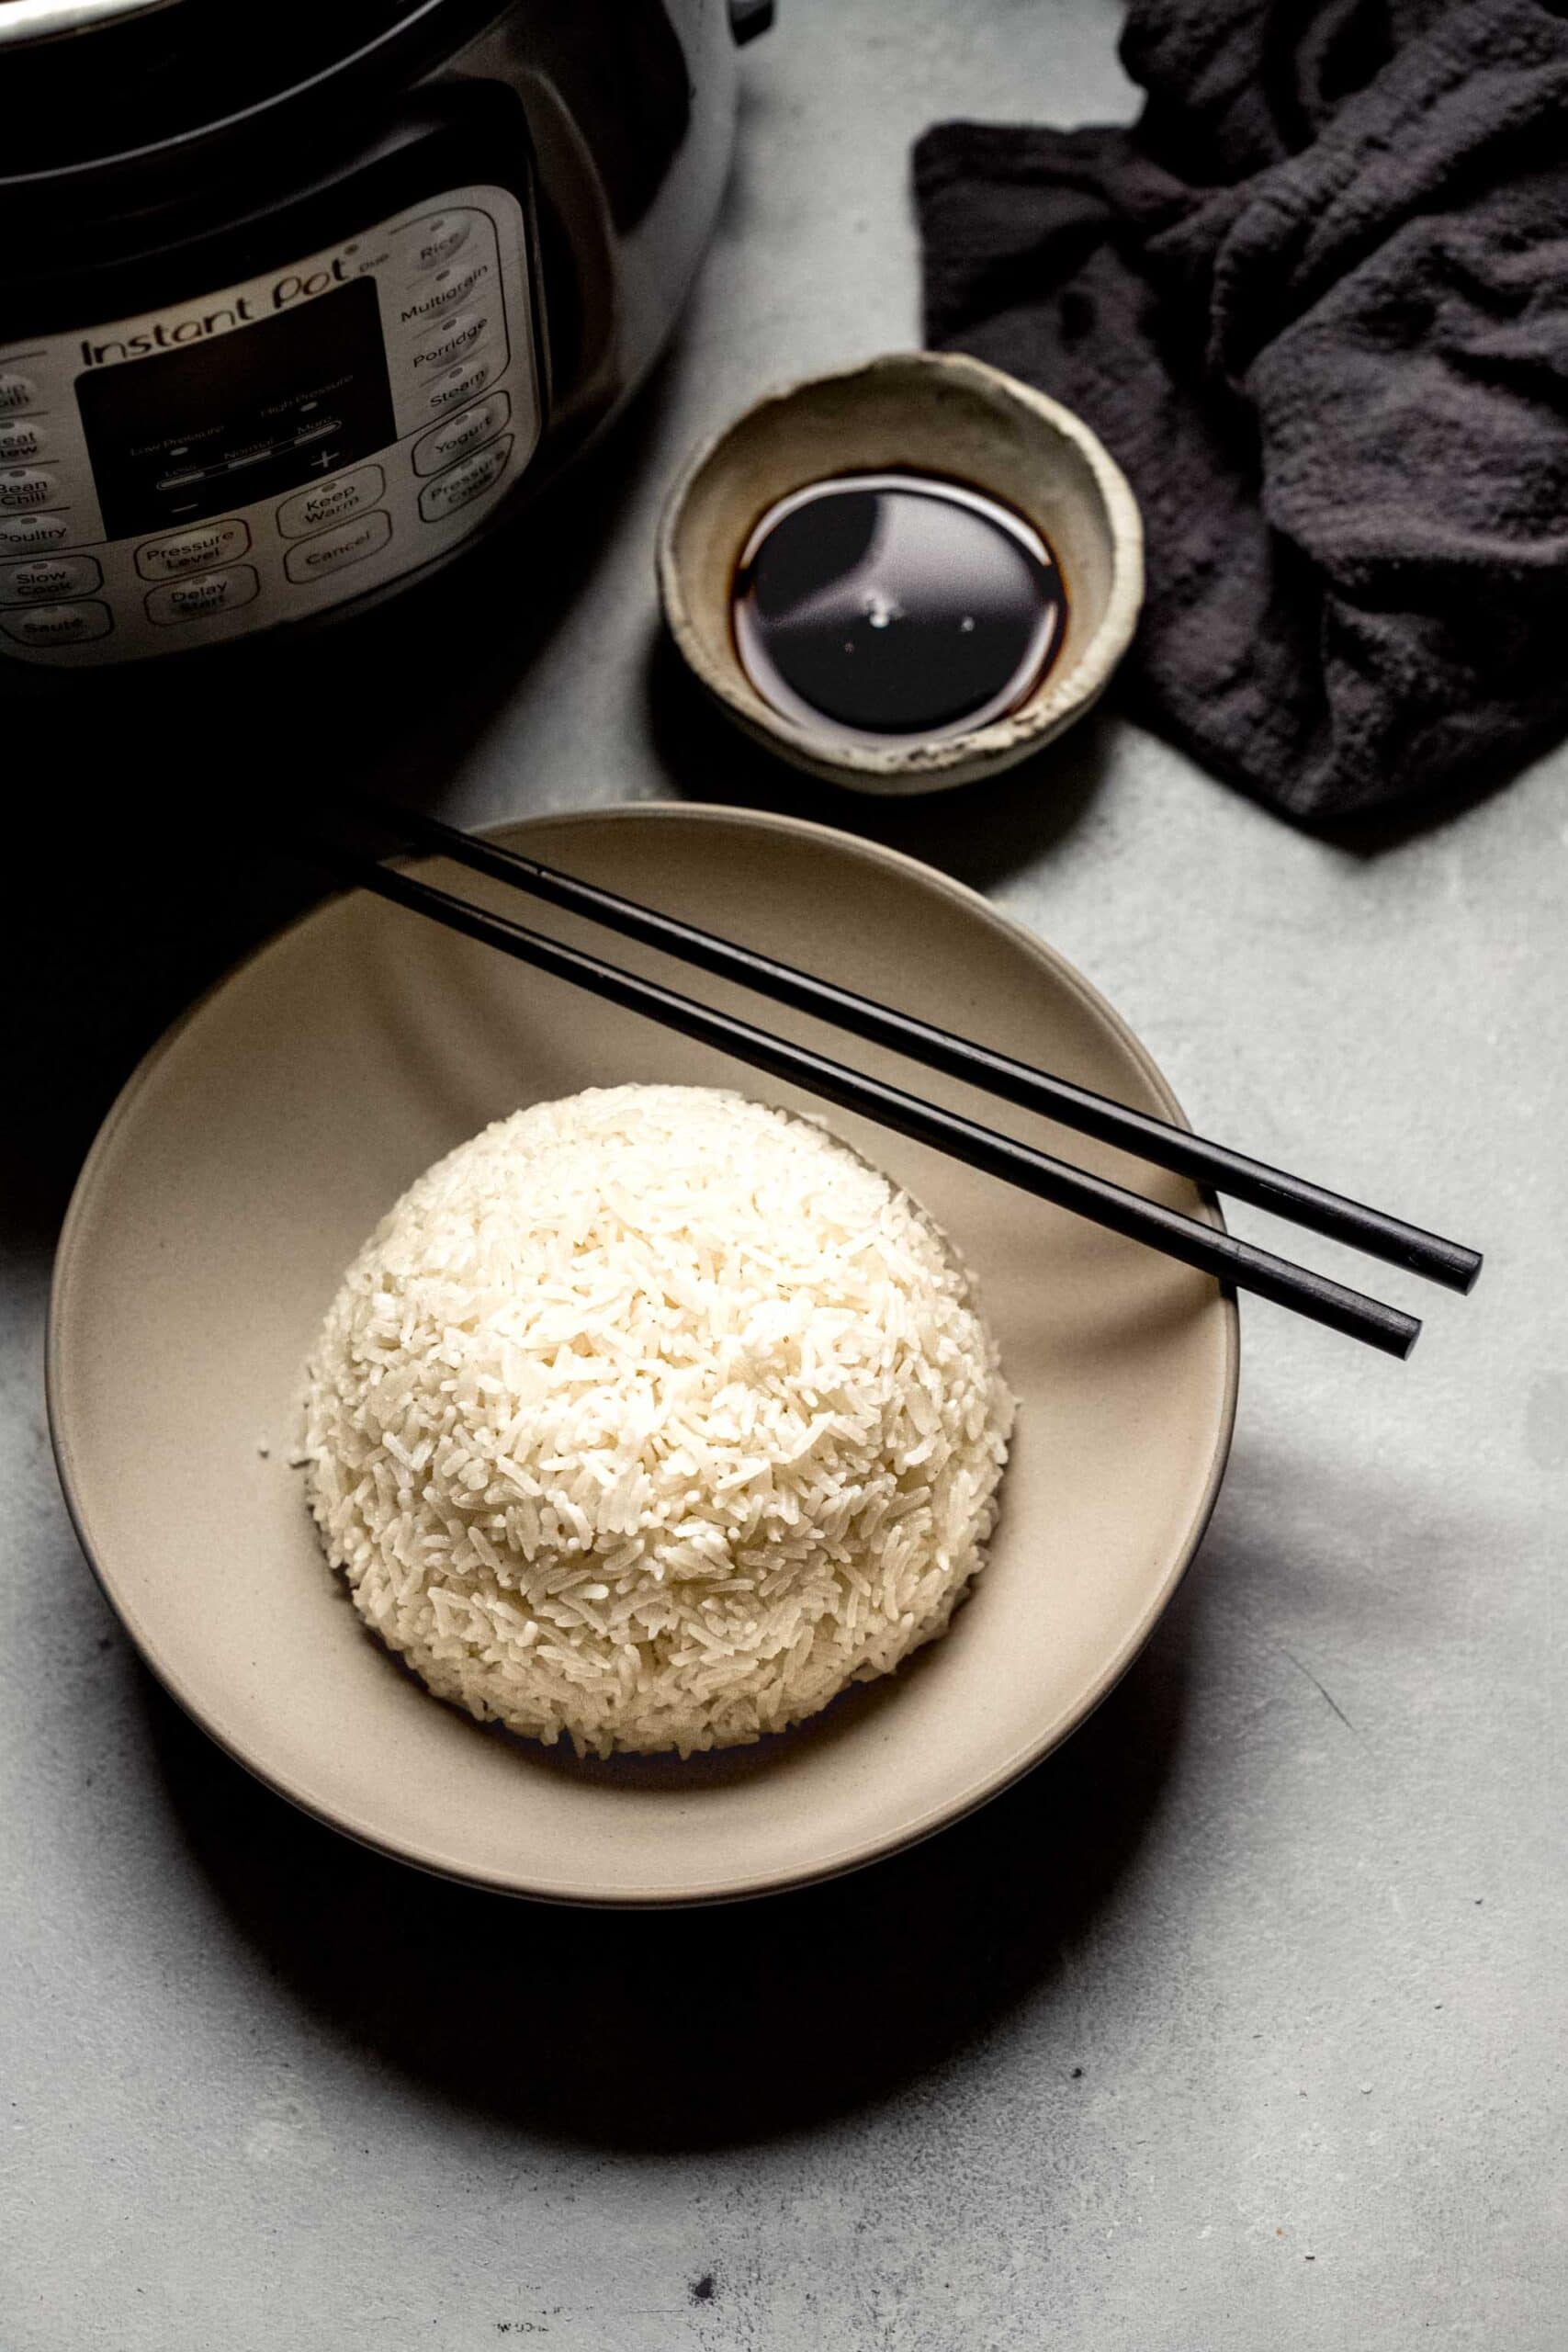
1316	303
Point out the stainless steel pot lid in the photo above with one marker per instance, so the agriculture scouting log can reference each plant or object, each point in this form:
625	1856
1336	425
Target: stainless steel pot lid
45	19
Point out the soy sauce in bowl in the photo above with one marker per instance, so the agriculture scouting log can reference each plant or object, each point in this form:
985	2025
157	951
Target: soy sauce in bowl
882	607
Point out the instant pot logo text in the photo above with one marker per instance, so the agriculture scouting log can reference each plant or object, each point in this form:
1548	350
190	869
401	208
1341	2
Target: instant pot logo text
167	334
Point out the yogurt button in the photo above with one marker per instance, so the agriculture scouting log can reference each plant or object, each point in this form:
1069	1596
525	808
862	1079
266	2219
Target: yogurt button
206	593
30	531
454	341
19	439
194	550
36	577
465	482
58	624
330	551
330	501
24	486
17	393
461	434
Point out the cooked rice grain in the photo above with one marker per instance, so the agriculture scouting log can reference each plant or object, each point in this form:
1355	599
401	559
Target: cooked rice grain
655	1416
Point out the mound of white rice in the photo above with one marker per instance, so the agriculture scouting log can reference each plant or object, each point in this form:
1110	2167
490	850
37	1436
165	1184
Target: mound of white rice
655	1416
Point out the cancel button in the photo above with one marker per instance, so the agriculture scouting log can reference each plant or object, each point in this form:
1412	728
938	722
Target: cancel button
330	501
329	551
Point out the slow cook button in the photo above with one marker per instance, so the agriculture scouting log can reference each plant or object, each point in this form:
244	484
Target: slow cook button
203	594
24	486
18	393
27	534
20	439
193	550
34	577
454	340
459	434
433	242
330	501
58	624
465	482
332	550
460	384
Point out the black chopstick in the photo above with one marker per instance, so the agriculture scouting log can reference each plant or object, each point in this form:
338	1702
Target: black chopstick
1215	1164
1204	1247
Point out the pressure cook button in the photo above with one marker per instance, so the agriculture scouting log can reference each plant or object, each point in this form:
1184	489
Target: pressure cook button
330	501
20	439
465	482
205	593
34	577
58	624
454	340
435	297
461	383
18	393
433	242
27	534
333	551
196	550
24	486
459	434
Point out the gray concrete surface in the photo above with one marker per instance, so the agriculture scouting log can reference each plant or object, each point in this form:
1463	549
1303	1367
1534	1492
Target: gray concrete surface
1241	2022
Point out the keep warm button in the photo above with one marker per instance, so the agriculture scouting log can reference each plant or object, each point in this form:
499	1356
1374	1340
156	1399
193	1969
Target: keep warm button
330	552
465	481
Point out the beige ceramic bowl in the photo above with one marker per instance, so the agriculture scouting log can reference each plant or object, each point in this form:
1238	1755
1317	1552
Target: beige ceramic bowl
915	410
258	1145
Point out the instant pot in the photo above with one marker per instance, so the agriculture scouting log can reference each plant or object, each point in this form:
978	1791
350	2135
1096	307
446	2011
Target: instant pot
298	299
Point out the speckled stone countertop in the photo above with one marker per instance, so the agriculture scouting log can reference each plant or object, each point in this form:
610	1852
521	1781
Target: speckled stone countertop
1241	2022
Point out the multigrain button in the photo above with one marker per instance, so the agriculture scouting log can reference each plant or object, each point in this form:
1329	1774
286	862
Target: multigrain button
435	241
34	577
17	393
459	434
465	482
330	501
20	439
24	486
193	550
205	594
58	624
437	296
330	551
459	384
453	340
27	533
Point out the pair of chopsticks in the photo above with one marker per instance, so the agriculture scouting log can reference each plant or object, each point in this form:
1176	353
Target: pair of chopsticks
1233	1260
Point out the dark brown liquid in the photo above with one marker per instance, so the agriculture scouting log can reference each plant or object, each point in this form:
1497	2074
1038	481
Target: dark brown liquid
875	607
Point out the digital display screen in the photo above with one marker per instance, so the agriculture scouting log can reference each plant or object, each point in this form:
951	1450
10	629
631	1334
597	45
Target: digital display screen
239	415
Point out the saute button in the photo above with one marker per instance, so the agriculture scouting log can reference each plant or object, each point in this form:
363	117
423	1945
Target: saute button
208	592
18	393
24	486
452	341
30	531
58	624
193	550
459	385
330	501
34	577
458	435
332	550
465	482
432	242
20	439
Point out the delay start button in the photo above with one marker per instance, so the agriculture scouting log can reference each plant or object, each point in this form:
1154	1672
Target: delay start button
465	482
193	550
332	551
206	593
330	501
458	435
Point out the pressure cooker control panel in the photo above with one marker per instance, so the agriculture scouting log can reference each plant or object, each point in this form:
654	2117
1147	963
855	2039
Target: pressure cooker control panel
259	454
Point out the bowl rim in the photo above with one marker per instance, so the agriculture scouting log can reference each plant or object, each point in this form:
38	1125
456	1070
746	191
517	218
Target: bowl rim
957	758
938	1816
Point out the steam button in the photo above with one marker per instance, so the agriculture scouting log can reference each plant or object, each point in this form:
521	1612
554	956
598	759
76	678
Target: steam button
58	624
333	551
29	534
330	501
32	579
464	483
460	435
206	593
459	384
22	487
194	550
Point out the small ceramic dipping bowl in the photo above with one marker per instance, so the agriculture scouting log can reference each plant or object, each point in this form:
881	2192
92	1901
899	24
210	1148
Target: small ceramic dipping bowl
920	413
